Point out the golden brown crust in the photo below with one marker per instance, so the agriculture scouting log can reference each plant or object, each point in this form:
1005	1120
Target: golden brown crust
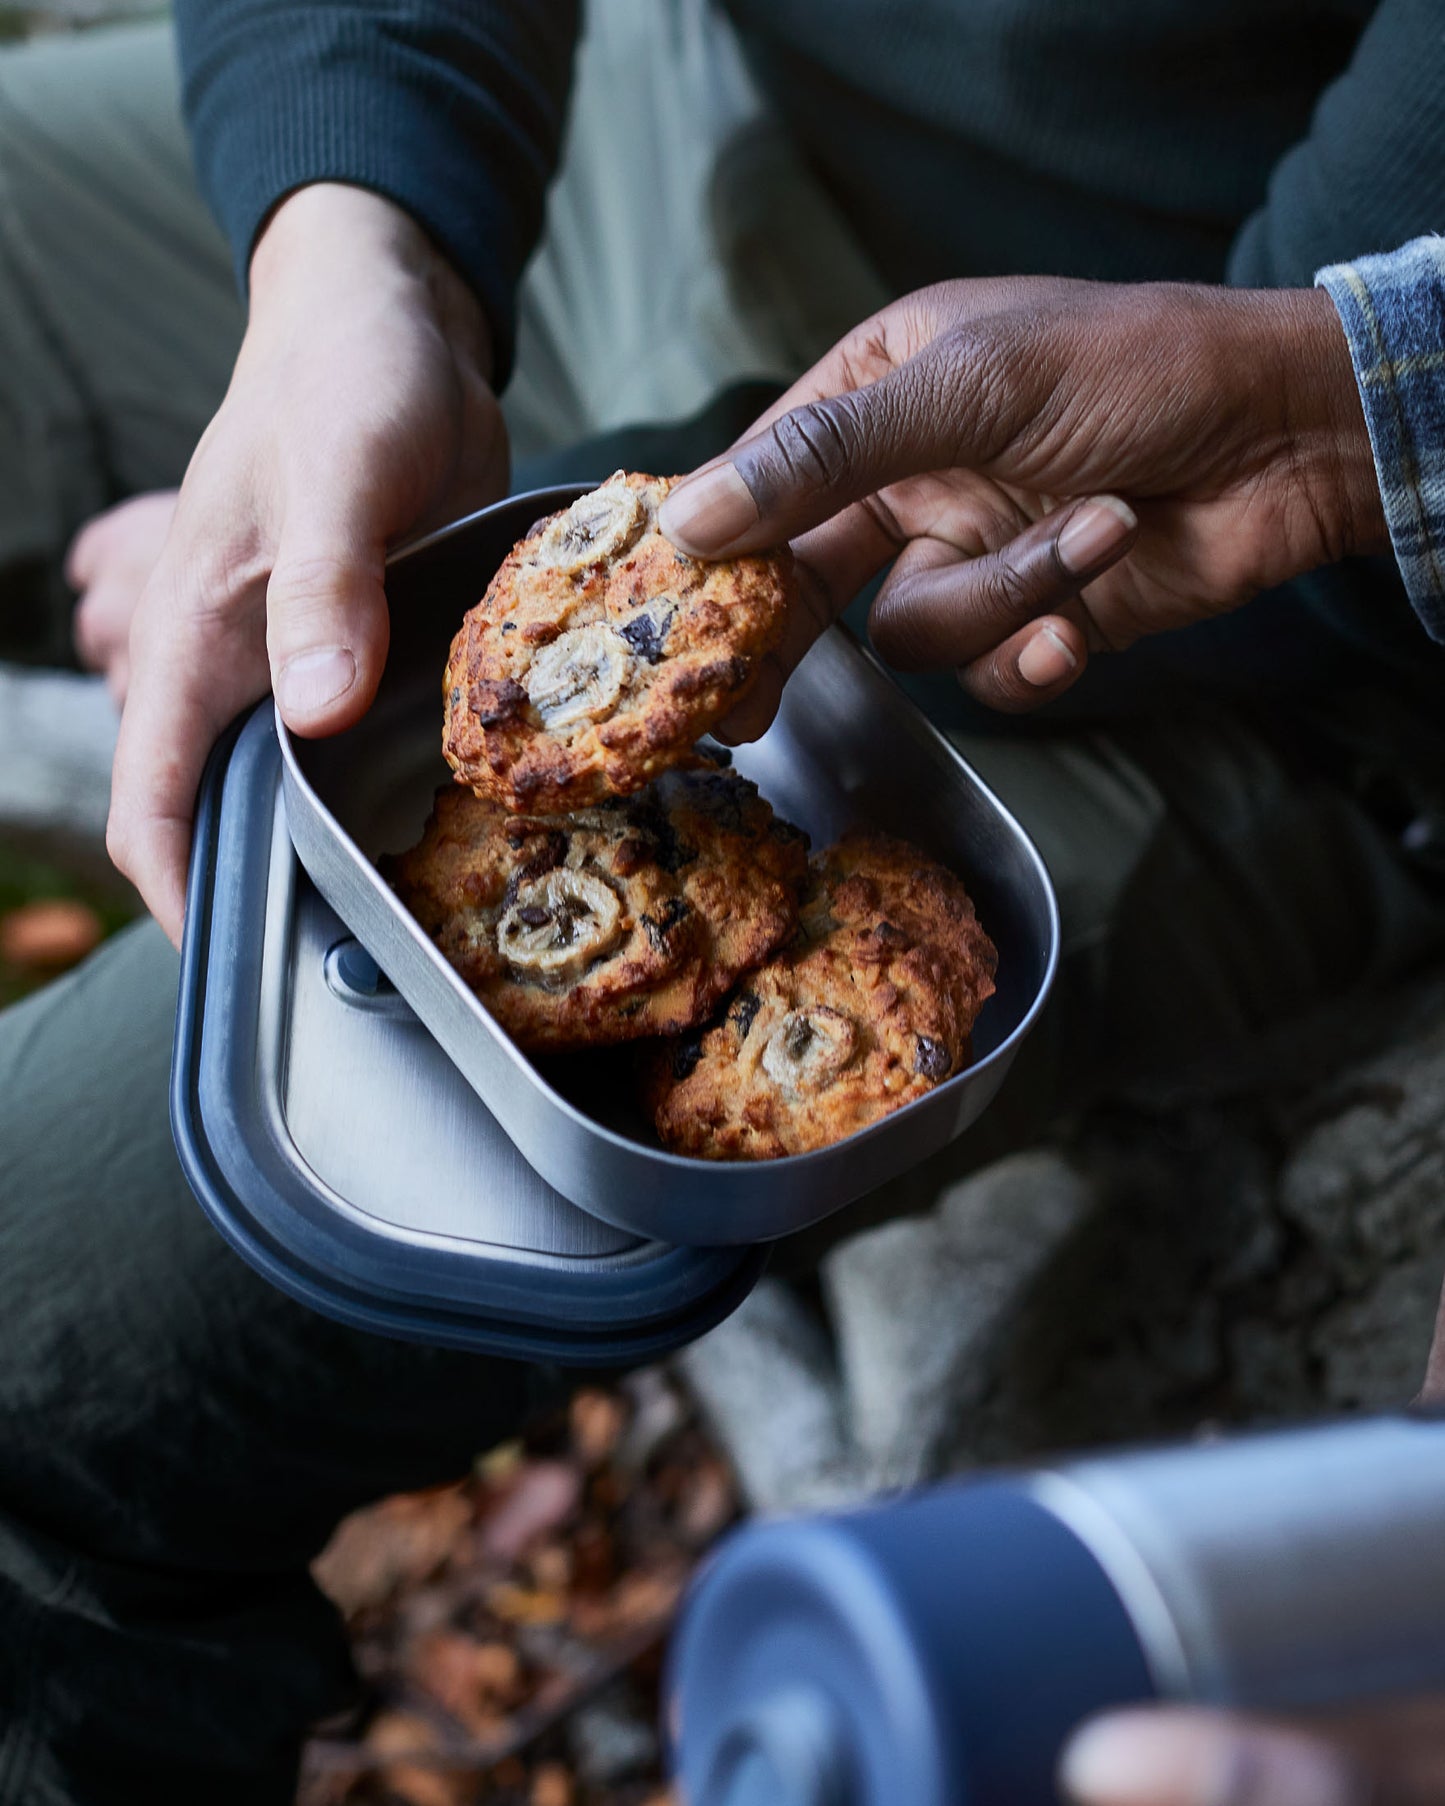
632	918
600	654
870	1008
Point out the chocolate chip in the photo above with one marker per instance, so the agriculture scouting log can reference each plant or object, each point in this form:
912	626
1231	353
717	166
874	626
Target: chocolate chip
509	626
673	854
456	699
630	856
744	1012
533	916
798	1037
645	635
931	1059
685	1056
889	935
648	816
726	797
549	854
494	700
658	927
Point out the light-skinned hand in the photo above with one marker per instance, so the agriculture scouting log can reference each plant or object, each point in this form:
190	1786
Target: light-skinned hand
108	564
360	411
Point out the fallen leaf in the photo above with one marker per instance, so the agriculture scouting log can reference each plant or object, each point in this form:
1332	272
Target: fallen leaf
551	1567
552	1786
404	1734
524	1605
597	1419
542	1495
476	1682
398	1542
49	934
707	1503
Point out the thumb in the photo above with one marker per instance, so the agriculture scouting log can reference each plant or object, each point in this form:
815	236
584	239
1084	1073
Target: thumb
326	621
940	410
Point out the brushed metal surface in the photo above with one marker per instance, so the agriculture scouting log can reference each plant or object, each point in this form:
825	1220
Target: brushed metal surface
1276	1572
442	1166
848	749
452	1238
373	1114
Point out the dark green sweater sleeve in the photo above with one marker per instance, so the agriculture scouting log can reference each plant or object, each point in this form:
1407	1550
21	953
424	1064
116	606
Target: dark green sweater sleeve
451	108
1370	175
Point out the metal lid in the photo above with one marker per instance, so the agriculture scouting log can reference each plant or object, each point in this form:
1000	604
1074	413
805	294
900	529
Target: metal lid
339	1151
937	1650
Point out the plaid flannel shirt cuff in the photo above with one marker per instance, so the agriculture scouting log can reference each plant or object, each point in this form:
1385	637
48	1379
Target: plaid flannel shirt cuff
1393	310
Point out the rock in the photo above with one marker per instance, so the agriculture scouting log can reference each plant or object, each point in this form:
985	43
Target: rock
1370	1352
1367	1177
57	739
49	934
923	1308
767	1383
1267	1254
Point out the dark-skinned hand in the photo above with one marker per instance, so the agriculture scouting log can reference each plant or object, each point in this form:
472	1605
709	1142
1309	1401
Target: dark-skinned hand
1053	469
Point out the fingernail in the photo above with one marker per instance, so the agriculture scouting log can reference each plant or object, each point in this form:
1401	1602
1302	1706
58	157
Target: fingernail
1046	660
1114	1760
1099	527
1146	1758
309	681
707	513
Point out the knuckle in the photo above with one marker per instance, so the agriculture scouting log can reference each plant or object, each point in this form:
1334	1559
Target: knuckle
220	580
815	446
984	373
317	578
895	629
120	842
1007	592
993	682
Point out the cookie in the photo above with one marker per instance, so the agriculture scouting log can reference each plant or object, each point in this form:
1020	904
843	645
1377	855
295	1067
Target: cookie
870	1008
632	918
600	654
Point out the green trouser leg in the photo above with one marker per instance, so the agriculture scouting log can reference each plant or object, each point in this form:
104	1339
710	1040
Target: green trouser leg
119	318
177	1439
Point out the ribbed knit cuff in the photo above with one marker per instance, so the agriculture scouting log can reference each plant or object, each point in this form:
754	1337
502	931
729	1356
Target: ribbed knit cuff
1393	311
279	97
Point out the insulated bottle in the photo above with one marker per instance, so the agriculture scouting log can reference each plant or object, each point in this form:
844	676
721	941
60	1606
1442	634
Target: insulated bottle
938	1651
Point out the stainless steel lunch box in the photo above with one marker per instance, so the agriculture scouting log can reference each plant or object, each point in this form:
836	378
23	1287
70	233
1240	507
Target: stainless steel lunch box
848	749
340	1151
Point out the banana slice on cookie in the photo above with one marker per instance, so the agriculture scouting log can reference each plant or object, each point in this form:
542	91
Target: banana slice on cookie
630	918
579	677
869	1008
808	1049
597	526
600	654
559	925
